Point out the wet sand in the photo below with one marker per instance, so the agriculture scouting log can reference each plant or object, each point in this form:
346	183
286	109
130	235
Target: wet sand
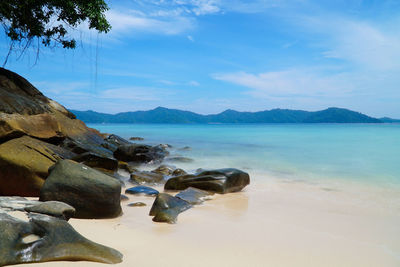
273	223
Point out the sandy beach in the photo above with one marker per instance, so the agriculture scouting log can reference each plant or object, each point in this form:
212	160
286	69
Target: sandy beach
273	223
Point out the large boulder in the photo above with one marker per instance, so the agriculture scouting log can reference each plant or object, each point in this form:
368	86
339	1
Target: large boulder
53	239
220	181
92	193
166	208
140	153
24	164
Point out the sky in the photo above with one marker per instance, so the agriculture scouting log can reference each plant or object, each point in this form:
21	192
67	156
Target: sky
207	56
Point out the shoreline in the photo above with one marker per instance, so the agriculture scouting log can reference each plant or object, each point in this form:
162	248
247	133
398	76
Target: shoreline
272	223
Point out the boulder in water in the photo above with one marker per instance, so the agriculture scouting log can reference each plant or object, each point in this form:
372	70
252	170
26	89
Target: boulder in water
219	181
140	153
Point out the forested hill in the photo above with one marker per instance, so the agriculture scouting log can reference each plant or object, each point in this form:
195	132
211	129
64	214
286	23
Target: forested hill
165	115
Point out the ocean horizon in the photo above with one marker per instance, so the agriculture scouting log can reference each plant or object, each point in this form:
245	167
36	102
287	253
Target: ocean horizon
361	153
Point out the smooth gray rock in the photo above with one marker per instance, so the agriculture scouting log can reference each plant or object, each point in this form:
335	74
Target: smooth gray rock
140	153
145	190
219	181
53	208
166	208
137	204
92	193
193	196
56	240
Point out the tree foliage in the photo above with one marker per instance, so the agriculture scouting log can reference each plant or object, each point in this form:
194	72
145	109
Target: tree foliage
48	22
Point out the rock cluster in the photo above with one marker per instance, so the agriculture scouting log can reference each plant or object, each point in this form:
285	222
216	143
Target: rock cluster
45	235
46	152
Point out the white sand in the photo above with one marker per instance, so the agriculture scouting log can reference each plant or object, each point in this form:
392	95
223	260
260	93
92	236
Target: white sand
275	223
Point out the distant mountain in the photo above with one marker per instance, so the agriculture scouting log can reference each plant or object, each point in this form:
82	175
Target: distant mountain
165	115
389	120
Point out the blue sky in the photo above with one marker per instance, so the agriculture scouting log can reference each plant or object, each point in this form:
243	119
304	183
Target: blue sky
210	55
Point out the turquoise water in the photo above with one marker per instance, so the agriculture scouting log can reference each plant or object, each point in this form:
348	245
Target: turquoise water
358	152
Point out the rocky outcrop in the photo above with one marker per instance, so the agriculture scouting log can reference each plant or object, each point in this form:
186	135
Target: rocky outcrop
219	181
53	239
92	193
24	110
33	231
166	208
35	132
24	164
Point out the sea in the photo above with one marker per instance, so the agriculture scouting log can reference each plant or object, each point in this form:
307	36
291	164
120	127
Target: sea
360	153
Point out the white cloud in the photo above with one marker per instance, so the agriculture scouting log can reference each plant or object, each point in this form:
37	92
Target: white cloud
133	21
365	44
288	83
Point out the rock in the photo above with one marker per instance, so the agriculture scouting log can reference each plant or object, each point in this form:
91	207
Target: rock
96	161
24	110
219	181
137	204
185	148
179	172
24	164
144	177
82	146
141	190
56	240
166	208
53	208
140	153
165	146
135	138
193	196
126	166
117	140
92	193
124	197
164	169
179	159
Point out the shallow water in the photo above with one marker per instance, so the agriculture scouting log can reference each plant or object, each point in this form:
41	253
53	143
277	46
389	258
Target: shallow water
367	153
